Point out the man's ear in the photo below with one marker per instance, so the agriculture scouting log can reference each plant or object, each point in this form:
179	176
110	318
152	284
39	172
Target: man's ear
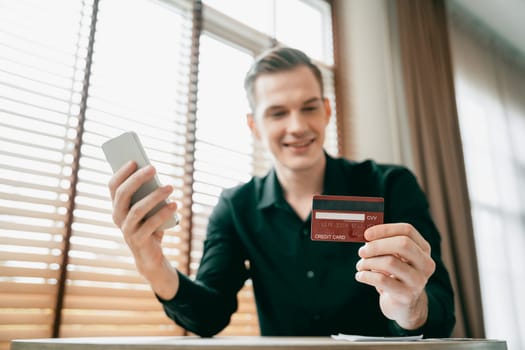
327	109
252	124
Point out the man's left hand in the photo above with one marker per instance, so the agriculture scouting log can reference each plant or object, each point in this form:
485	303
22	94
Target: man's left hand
396	261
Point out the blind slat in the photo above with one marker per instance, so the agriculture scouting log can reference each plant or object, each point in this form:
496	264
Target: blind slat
95	196
36	159
27	288
27	331
32	186
110	303
124	291
16	227
35	107
34	92
26	301
102	251
102	224
24	143
17	318
104	277
118	331
31	213
29	78
123	318
44	134
20	256
30	243
91	208
27	272
23	198
101	262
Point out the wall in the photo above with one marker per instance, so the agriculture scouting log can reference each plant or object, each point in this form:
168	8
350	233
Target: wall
369	81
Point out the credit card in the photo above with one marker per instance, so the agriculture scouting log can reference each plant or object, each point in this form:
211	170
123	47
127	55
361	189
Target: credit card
344	218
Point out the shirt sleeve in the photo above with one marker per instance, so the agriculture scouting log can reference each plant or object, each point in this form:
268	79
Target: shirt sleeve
407	203
204	306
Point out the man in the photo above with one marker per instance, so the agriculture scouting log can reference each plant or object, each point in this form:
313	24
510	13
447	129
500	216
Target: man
395	284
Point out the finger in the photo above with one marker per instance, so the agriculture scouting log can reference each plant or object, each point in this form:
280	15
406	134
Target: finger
123	194
158	234
385	284
397	229
393	267
119	176
155	221
402	248
138	211
387	265
151	226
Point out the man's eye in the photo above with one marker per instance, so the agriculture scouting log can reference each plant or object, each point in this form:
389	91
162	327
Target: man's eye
278	114
310	109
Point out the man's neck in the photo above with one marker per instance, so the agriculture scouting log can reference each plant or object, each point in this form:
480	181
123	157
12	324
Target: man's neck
299	186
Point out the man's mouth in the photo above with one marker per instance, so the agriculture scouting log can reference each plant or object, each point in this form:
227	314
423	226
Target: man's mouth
299	144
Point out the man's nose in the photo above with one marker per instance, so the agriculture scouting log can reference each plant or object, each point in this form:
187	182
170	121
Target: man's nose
296	123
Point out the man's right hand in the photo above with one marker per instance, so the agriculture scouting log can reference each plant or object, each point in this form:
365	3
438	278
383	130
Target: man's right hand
143	236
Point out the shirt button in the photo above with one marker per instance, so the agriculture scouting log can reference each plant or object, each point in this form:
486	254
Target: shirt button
306	232
317	317
310	274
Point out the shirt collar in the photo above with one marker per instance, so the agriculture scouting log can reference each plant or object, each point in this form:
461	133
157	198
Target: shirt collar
335	181
271	192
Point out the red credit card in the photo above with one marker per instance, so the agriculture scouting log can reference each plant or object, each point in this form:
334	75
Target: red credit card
344	218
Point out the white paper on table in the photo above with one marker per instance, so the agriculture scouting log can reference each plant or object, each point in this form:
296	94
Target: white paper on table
350	337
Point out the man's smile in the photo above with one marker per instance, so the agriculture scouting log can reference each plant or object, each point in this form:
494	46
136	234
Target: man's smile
299	143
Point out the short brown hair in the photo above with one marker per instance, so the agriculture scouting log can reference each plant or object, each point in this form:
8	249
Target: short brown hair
277	60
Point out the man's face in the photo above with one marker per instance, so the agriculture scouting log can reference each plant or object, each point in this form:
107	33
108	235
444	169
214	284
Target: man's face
290	117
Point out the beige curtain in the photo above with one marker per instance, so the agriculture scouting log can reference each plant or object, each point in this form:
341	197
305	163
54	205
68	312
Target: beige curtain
437	149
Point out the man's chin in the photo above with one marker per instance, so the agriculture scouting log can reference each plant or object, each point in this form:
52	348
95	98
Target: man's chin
293	161
299	164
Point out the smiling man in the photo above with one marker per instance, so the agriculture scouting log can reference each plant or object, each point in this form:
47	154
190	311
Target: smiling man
395	284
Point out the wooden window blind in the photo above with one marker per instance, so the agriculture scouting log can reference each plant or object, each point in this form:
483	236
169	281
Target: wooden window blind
139	81
74	73
42	61
223	152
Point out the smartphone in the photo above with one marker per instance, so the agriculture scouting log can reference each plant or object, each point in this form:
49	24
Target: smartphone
126	147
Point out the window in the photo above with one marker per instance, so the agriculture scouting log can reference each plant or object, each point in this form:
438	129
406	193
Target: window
69	80
138	82
489	92
303	24
221	161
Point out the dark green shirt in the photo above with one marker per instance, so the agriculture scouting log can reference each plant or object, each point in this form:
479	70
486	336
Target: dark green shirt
304	287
